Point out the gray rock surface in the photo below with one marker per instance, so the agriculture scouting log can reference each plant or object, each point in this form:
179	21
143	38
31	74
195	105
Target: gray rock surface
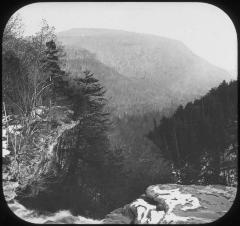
176	204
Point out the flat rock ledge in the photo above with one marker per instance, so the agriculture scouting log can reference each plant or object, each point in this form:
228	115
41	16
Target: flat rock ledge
174	204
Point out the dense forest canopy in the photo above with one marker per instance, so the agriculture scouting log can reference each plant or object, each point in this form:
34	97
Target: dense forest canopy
66	136
201	138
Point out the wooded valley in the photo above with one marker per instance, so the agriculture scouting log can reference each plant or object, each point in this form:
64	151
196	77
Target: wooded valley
79	123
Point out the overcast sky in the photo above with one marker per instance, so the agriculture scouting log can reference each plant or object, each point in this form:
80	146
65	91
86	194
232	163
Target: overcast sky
204	28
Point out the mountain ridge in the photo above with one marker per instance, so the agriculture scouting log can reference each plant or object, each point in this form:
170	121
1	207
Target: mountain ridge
79	31
163	68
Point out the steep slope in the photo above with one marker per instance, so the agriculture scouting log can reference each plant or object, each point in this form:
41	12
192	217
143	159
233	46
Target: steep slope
203	131
161	69
125	94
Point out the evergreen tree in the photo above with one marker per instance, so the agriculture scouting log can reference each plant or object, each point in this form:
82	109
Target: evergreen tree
200	132
94	118
83	174
55	77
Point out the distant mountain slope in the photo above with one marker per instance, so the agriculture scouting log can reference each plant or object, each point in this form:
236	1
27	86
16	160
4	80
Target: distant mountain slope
143	69
126	95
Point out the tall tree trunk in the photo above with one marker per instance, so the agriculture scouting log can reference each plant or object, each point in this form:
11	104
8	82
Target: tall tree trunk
177	147
216	166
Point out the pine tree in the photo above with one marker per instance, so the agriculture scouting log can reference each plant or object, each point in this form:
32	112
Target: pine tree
200	132
83	174
54	75
95	120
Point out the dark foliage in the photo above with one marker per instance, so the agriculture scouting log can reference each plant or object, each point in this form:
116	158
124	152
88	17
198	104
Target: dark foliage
197	138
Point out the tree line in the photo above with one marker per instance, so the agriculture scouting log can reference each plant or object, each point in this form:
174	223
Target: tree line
200	139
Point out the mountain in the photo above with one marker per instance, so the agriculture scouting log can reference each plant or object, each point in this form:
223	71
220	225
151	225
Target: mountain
140	71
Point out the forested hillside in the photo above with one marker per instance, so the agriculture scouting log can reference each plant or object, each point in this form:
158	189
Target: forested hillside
157	71
200	139
126	95
54	125
87	130
57	133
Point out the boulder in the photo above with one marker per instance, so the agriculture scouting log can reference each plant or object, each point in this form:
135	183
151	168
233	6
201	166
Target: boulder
174	204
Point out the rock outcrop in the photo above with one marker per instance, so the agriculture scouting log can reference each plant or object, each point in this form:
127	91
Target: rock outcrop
173	204
161	204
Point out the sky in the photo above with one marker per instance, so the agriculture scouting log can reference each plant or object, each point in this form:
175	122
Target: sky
205	29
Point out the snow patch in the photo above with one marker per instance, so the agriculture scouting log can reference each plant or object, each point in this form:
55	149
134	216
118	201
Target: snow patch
5	152
174	197
14	129
145	212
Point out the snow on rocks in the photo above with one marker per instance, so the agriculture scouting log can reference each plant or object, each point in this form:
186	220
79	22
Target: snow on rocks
14	129
174	197
5	151
176	204
193	203
145	212
39	112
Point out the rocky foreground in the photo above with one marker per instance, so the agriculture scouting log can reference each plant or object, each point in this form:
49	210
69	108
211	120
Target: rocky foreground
161	204
173	204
